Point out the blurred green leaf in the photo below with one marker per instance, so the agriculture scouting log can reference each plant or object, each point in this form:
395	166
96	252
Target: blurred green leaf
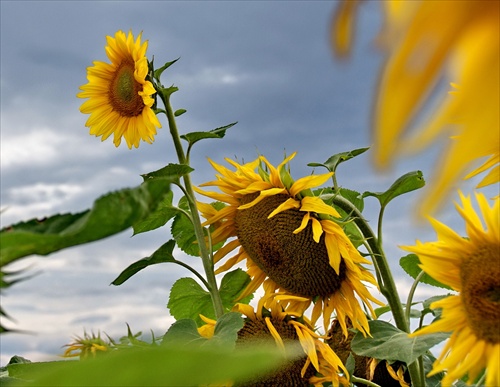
410	264
390	343
154	366
188	299
332	163
194	137
406	183
162	255
110	214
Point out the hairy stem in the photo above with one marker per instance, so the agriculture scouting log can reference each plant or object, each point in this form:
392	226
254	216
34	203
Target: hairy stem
387	286
195	216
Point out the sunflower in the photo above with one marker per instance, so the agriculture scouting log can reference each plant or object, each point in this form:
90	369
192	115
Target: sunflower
471	266
422	50
87	346
319	363
119	95
291	240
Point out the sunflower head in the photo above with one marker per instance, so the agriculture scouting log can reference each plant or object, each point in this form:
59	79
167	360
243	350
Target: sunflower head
87	346
286	331
471	266
290	238
119	96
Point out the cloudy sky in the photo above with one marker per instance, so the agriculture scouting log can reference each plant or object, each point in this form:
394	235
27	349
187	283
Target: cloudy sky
267	65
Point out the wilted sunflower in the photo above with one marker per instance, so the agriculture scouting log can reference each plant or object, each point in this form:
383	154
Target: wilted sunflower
265	325
119	95
289	238
421	51
471	266
87	346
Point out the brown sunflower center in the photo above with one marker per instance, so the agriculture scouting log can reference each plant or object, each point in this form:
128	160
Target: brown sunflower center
294	261
480	277
124	91
256	332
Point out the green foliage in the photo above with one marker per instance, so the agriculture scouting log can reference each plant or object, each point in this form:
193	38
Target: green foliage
185	331
171	172
194	137
410	264
355	198
152	366
157	73
110	214
159	217
162	255
406	183
332	163
183	231
188	299
391	344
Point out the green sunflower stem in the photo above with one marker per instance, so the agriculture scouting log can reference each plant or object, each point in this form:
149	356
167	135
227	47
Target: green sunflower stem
195	216
387	286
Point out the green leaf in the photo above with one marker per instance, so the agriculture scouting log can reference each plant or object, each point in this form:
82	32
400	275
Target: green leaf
170	172
434	380
332	163
354	197
226	330
110	214
183	231
194	137
232	284
188	299
390	343
158	72
154	366
179	112
183	332
159	217
162	255
410	264
406	183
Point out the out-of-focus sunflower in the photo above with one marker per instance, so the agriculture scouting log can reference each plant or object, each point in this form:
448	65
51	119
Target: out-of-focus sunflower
119	96
471	266
289	239
87	346
421	51
319	363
